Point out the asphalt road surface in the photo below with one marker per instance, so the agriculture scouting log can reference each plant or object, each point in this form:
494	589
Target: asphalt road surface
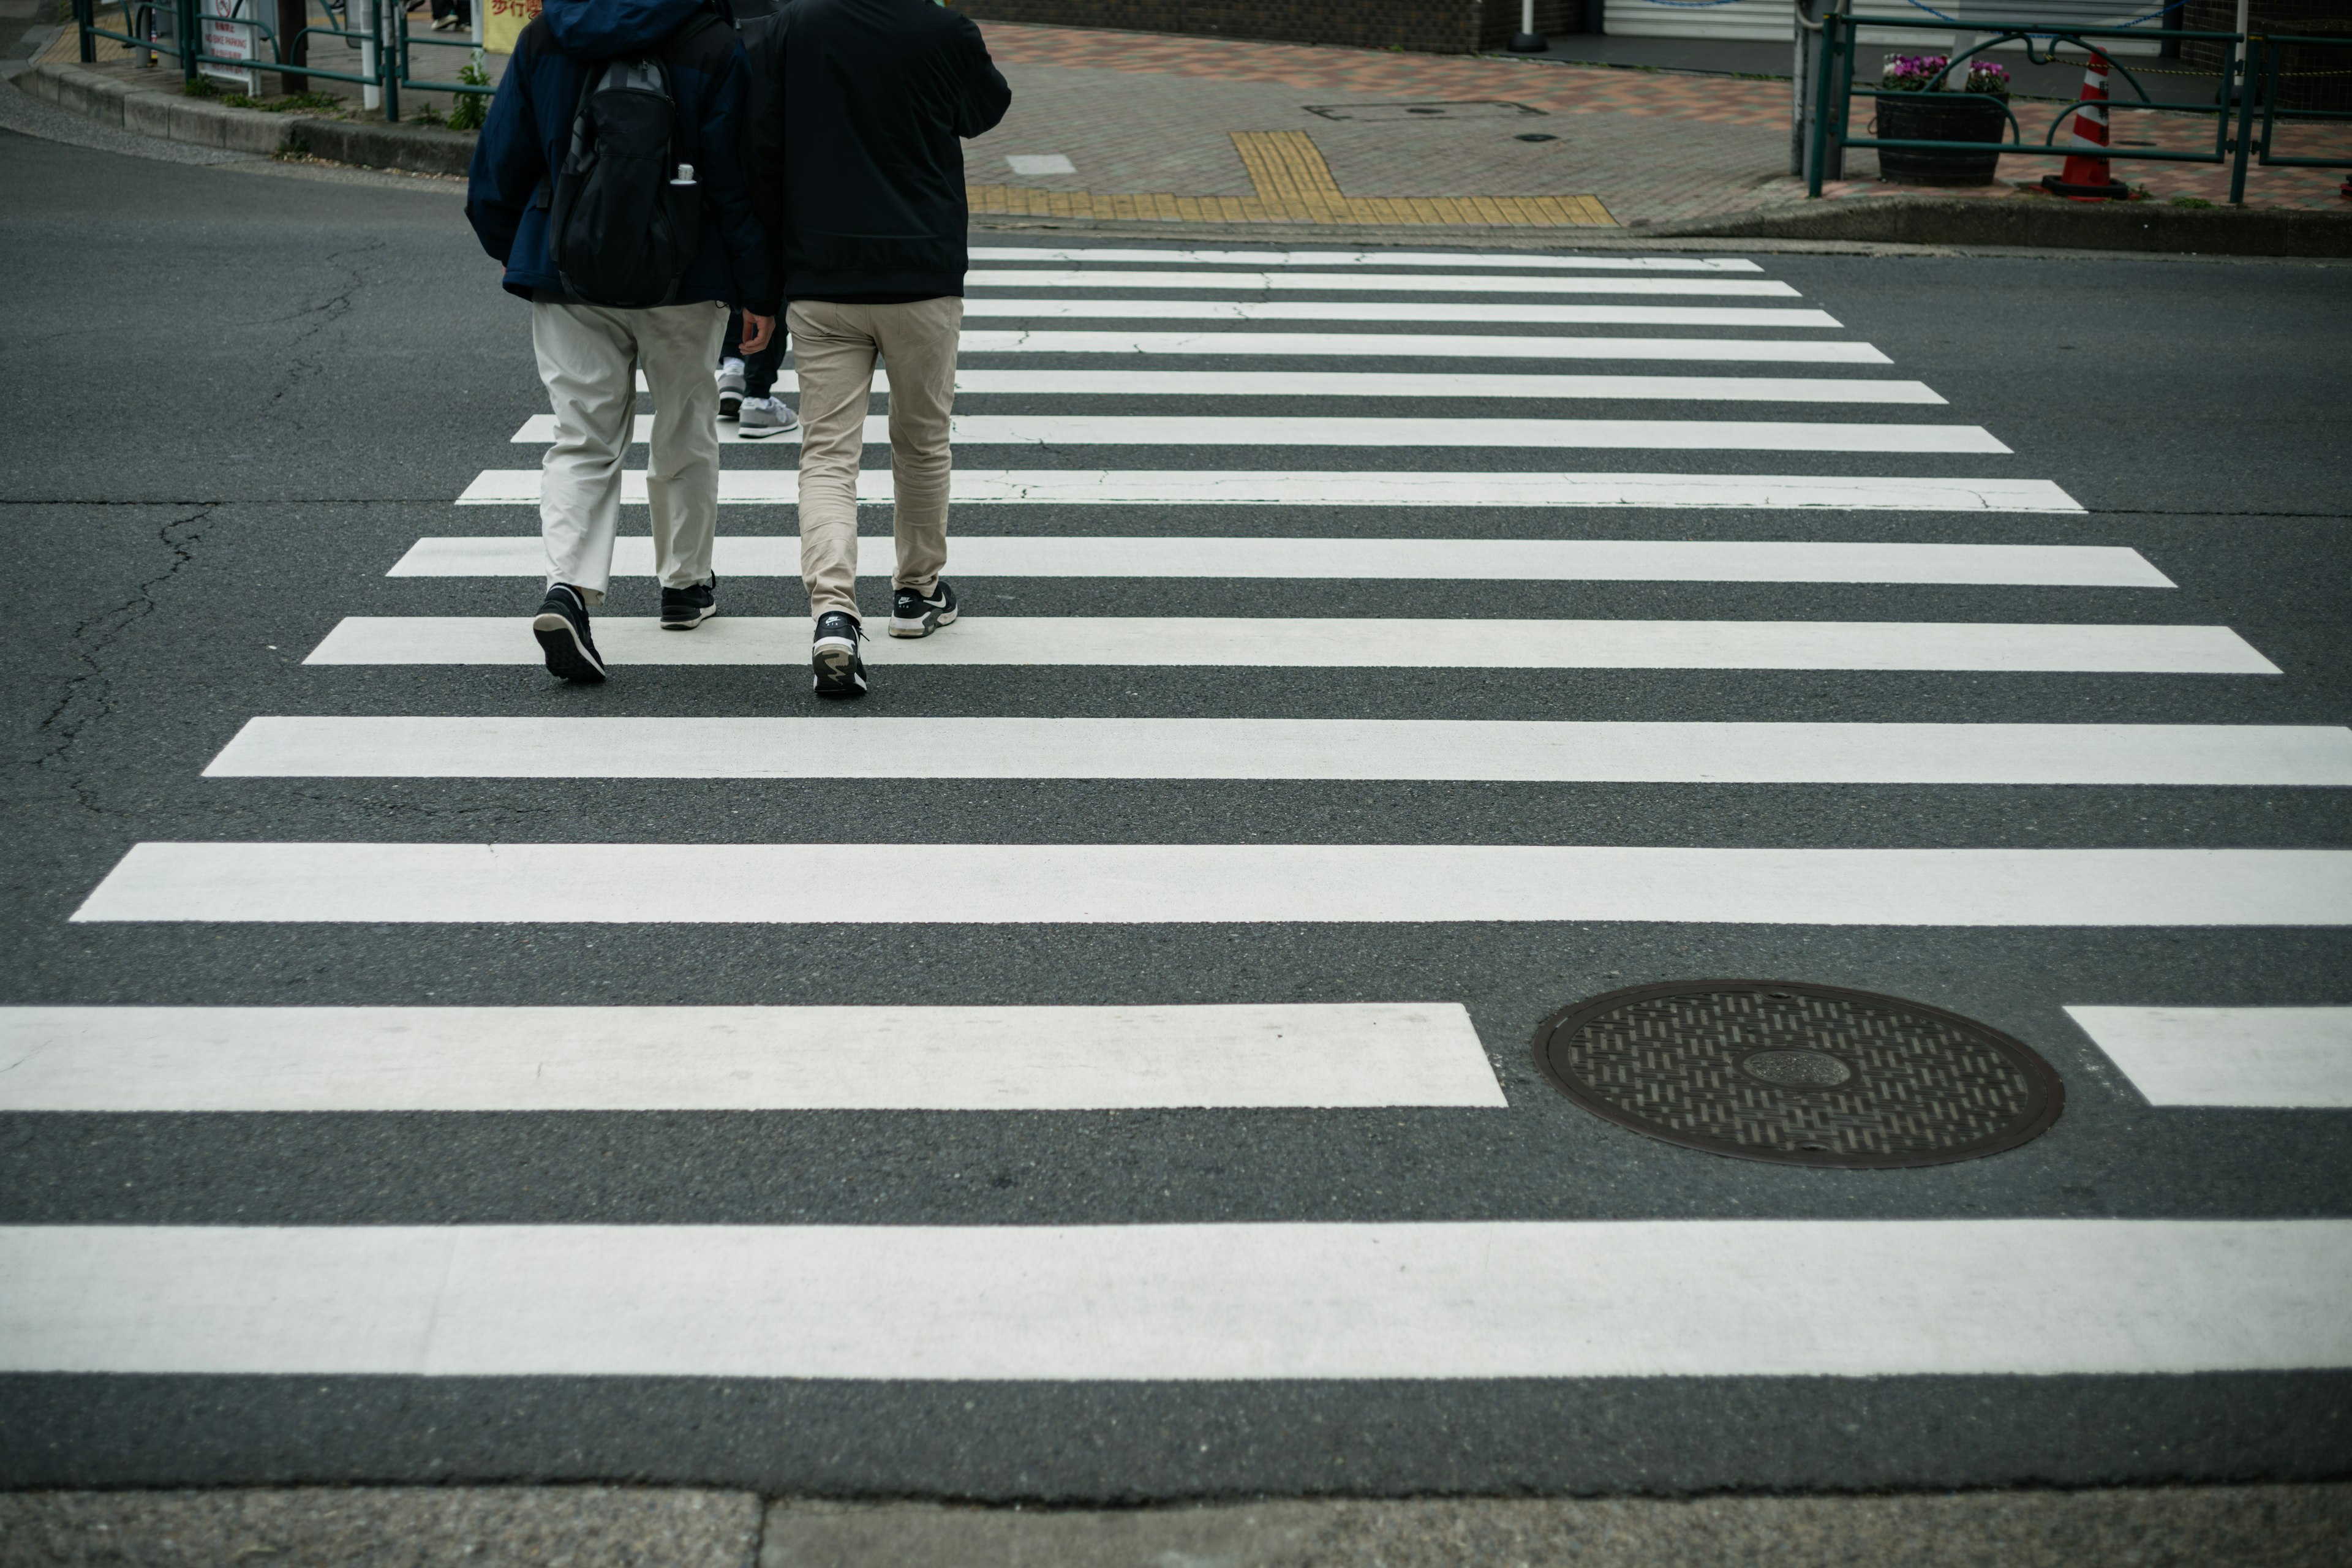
1271	1217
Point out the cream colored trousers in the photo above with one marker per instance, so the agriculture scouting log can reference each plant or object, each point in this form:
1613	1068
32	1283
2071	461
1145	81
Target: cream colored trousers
589	357
833	349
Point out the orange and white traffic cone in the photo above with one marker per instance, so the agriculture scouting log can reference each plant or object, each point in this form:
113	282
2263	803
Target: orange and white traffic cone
2086	177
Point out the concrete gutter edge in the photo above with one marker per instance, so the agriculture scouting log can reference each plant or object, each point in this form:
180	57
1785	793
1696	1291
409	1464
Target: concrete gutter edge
2037	223
170	115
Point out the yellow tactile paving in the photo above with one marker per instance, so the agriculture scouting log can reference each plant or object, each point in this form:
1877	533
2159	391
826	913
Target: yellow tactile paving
1294	185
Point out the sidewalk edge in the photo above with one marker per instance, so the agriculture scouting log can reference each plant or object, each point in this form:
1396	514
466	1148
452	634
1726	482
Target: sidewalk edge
170	116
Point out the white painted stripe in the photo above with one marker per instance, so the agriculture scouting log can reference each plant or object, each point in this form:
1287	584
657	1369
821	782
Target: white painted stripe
2270	1058
1327	488
1243	644
1375	283
740	1059
1413	384
1065	1303
1192	430
1431	560
1387	345
1434	749
1142	884
1075	255
1516	313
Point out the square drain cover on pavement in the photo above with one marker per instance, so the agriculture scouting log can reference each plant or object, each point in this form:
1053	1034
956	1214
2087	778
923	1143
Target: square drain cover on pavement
1798	1075
1467	109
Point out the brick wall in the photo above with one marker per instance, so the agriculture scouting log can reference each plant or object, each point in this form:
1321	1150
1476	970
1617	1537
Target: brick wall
2317	78
1433	27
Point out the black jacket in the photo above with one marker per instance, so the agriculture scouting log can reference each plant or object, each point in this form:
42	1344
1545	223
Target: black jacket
854	145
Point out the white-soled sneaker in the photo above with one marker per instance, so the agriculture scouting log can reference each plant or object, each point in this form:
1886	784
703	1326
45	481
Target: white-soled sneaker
833	654
761	418
731	387
914	614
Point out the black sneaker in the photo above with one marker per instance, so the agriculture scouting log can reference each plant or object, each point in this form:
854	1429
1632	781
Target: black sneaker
914	615
683	609
839	671
562	629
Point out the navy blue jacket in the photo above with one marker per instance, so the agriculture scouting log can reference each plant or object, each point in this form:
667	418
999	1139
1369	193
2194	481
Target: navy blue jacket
856	145
529	131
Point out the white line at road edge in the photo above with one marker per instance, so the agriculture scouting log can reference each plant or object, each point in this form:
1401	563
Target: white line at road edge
1441	750
1143	884
974	555
740	1059
1528	263
1327	488
1069	1303
2268	1058
1243	644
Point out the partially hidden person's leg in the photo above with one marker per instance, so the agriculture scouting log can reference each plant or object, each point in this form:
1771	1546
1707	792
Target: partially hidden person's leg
730	367
675	345
834	352
918	341
589	365
764	414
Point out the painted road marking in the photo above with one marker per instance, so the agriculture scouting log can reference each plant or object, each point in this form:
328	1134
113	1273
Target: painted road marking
1529	263
1429	560
1421	345
1143	884
1191	430
1477	1299
117	1060
1040	163
1323	487
1240	644
1404	383
2270	1058
1373	282
1440	750
1518	313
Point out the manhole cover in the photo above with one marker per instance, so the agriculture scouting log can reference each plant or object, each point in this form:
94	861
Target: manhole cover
1803	1075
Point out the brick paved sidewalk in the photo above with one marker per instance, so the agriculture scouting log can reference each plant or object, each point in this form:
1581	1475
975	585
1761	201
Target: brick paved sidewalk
1163	127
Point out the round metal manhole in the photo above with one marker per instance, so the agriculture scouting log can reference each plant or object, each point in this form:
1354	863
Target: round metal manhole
1802	1075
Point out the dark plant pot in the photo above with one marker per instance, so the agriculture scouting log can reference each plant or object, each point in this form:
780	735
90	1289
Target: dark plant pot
1939	117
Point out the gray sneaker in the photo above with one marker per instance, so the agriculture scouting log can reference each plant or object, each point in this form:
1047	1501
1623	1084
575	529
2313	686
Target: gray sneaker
731	387
761	418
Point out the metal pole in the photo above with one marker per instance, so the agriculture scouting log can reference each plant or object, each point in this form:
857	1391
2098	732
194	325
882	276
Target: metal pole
187	41
2240	65
395	58
1818	157
372	91
82	21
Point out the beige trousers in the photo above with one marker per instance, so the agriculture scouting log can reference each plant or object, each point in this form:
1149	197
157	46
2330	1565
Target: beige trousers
589	357
833	349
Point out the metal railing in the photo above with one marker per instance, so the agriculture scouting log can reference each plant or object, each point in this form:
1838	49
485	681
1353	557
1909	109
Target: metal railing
2243	121
376	29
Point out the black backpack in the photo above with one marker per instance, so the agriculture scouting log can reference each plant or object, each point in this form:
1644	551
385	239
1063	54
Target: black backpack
625	225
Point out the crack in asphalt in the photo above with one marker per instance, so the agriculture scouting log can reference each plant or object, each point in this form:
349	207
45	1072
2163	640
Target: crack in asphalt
90	696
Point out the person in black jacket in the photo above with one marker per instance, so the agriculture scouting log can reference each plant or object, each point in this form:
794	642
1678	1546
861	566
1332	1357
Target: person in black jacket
855	152
588	354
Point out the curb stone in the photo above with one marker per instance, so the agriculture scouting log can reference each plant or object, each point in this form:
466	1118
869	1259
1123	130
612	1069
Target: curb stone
2031	221
173	117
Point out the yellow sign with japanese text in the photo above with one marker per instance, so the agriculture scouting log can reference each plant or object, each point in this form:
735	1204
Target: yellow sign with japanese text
503	22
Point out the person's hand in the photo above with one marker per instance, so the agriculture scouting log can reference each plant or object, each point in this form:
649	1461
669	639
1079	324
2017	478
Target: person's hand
757	330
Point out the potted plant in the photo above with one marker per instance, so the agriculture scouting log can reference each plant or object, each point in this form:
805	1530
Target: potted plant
1917	103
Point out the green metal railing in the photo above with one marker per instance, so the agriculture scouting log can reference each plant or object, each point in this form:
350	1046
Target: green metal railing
2241	123
377	29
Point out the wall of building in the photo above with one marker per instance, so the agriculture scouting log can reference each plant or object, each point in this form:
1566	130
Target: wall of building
1433	27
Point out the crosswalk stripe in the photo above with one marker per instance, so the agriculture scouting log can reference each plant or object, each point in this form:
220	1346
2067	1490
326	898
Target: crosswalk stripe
1064	1303
1403	384
1191	430
127	1060
1431	560
1528	263
1518	313
2253	1057
1143	884
1424	345
1374	282
1239	644
1405	487
1441	750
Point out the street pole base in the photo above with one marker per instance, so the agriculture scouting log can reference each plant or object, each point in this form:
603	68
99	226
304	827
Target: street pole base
2113	191
1529	43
